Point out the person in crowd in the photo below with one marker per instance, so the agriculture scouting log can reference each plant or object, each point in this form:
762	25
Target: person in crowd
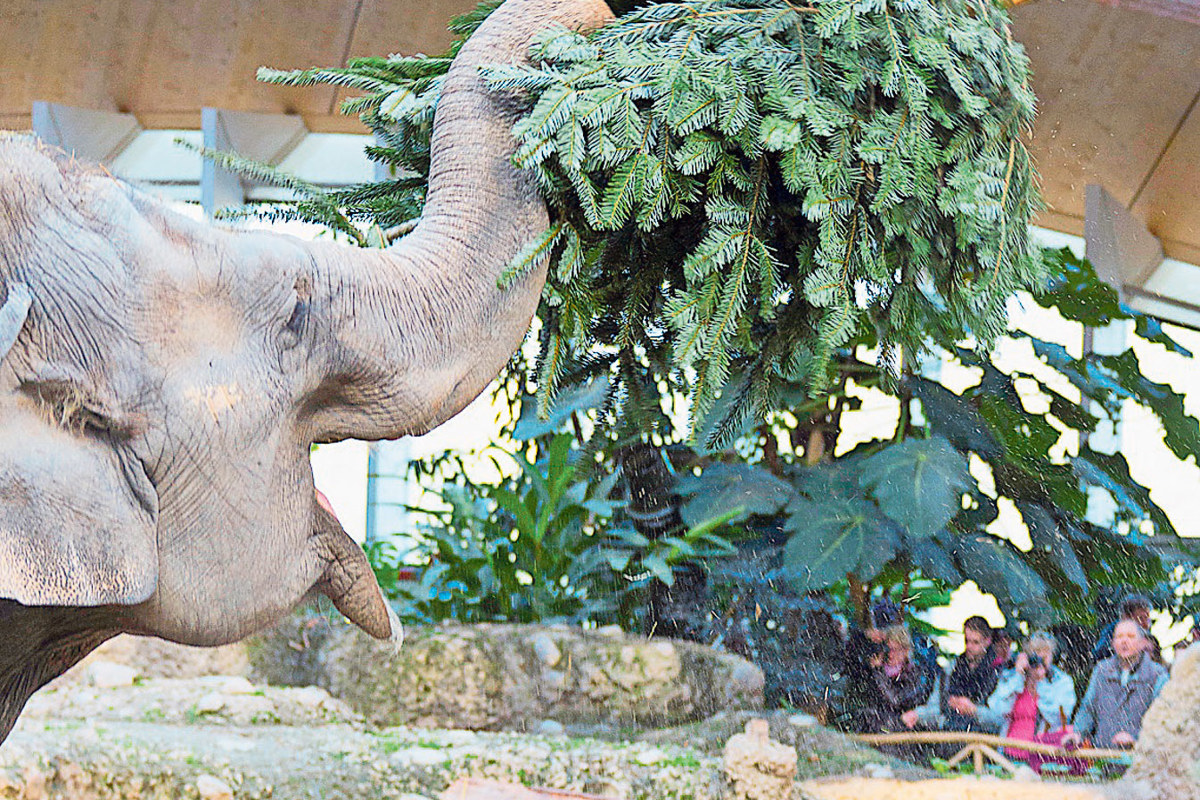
901	682
889	684
1134	607
954	703
885	614
1121	688
1002	646
1032	698
864	657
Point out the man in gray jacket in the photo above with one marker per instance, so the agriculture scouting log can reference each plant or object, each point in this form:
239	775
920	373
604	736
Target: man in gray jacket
1121	689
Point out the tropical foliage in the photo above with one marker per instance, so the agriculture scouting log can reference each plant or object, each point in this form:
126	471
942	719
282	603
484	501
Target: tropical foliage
927	497
543	545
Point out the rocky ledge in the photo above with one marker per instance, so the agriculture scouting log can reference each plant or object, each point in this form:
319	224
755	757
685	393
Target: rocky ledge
508	677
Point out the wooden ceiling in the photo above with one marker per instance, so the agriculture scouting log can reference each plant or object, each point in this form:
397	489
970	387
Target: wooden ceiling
1118	83
1117	88
162	60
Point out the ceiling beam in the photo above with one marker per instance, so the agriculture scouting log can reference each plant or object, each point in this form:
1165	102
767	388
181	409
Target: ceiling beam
86	133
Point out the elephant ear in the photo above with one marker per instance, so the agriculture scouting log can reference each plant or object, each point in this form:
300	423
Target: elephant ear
78	516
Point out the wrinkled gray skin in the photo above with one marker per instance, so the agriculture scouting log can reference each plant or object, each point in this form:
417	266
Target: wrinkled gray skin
161	382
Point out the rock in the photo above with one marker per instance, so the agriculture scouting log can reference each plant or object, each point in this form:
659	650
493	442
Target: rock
156	658
35	783
478	789
107	675
237	685
546	650
140	761
249	708
757	767
457	738
237	744
419	756
550	727
879	771
745	679
212	788
611	631
210	703
802	720
497	677
649	757
1166	762
311	697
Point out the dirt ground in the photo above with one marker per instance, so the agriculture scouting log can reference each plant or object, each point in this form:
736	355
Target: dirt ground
944	789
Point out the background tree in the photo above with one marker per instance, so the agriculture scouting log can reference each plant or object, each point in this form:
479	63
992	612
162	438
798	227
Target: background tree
749	197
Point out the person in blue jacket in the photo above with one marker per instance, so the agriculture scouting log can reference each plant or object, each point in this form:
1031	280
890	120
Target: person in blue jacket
1032	697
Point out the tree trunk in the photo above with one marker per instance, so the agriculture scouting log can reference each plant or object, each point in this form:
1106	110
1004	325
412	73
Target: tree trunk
654	508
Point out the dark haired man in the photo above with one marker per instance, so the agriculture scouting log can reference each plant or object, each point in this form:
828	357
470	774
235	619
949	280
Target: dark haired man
955	704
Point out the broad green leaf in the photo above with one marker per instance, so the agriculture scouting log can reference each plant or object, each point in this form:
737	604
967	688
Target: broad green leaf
997	565
1049	539
1078	293
918	483
1111	473
657	564
578	399
954	417
934	561
832	538
724	487
834	479
1027	438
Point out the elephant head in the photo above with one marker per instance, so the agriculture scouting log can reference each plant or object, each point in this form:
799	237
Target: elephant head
162	380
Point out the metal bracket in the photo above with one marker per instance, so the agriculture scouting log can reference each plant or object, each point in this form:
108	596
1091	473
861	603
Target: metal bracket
262	137
88	133
1123	252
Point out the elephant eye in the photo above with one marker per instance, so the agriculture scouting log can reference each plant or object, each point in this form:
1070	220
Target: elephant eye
295	323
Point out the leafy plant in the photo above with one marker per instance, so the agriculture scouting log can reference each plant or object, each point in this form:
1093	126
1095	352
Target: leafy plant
541	546
518	551
915	502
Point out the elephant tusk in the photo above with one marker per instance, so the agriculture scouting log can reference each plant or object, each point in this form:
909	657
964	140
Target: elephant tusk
13	315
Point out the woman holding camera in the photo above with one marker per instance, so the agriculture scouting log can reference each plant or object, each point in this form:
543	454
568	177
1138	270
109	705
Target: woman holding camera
1034	697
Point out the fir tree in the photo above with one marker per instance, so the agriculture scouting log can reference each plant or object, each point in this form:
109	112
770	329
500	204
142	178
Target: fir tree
743	187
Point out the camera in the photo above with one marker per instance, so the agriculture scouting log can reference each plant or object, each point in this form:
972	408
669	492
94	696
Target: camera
1035	661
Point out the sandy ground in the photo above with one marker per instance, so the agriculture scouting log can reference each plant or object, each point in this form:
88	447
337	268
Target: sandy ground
945	789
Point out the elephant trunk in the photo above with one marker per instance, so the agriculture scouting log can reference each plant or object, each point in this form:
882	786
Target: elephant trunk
421	328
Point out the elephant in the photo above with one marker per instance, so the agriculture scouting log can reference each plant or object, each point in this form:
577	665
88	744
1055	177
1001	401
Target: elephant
162	380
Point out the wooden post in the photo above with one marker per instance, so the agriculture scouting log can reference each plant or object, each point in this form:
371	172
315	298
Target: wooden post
996	756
